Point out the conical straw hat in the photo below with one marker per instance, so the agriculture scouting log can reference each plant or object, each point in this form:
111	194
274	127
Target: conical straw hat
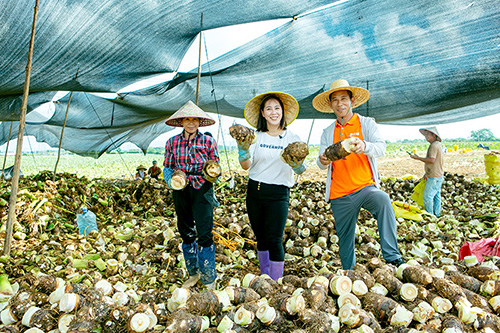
432	129
189	110
252	109
322	101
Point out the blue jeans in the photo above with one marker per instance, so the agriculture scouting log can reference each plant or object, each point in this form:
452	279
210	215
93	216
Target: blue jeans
432	195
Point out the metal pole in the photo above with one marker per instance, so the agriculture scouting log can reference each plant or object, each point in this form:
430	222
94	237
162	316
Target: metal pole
368	101
199	63
310	131
308	138
6	150
17	164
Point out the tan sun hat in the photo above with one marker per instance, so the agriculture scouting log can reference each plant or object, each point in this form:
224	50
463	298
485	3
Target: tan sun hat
252	109
322	101
189	110
141	167
431	129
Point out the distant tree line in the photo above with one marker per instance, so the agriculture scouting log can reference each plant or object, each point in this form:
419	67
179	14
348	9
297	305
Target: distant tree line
482	135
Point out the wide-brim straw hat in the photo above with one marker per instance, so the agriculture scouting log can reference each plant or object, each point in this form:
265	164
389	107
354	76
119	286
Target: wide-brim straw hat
141	167
322	101
252	109
189	110
431	129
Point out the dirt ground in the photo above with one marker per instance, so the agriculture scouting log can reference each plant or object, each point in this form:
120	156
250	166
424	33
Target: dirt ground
470	164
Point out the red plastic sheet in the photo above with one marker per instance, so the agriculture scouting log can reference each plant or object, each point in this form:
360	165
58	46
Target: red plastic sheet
486	246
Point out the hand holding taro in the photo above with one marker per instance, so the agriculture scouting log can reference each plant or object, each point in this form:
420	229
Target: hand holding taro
294	155
244	137
341	149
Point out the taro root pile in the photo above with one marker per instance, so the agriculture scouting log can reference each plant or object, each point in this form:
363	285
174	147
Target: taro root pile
127	276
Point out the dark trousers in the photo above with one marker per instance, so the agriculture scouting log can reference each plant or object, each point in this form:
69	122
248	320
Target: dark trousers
195	215
267	207
346	210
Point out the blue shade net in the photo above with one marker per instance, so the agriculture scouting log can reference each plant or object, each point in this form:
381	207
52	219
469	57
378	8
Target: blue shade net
424	62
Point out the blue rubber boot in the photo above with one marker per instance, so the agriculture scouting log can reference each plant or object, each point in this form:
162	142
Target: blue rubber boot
276	269
263	262
190	253
206	262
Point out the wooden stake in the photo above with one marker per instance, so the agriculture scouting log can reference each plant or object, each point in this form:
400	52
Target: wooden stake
6	150
17	164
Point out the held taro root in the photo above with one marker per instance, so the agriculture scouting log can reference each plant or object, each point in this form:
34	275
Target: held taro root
244	135
178	180
295	153
211	170
339	150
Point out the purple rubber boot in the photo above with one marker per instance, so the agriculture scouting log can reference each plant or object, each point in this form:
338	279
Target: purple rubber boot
276	269
263	262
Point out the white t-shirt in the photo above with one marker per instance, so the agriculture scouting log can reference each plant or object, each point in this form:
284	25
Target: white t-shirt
267	166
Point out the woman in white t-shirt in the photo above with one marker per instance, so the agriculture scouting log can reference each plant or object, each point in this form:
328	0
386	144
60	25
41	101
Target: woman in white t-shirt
270	178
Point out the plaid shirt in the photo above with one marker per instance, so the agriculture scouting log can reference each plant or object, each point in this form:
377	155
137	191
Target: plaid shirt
189	156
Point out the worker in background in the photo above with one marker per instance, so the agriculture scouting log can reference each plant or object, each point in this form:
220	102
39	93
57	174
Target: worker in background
154	171
141	172
434	174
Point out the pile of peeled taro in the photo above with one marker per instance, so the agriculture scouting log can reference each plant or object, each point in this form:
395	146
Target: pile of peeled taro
127	276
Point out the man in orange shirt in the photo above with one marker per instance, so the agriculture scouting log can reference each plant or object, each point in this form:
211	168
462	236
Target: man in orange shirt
352	183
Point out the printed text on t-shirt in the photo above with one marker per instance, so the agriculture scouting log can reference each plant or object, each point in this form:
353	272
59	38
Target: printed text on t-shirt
263	145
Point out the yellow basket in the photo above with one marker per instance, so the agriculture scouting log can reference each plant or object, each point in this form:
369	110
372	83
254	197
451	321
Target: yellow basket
492	166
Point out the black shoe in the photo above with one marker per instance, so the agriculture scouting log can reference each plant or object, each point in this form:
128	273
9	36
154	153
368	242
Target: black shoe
398	262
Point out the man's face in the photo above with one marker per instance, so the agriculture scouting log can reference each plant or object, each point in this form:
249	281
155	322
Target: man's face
430	137
341	103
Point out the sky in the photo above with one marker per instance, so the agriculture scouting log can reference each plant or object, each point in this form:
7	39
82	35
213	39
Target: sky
219	41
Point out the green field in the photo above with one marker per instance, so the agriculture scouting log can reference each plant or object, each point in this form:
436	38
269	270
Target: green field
123	164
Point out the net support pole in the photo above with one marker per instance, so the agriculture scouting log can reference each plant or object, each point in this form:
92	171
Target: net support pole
61	139
367	102
310	131
6	150
308	138
17	164
62	131
199	62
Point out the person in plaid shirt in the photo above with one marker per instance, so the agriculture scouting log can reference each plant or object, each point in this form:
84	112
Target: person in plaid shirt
188	151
